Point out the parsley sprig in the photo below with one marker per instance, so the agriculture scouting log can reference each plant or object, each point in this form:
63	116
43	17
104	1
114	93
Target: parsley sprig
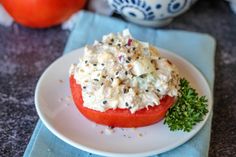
188	110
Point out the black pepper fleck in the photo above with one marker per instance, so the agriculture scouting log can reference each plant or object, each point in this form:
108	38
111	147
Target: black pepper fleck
126	104
102	64
126	73
104	102
84	87
86	61
146	90
169	62
96	80
94	64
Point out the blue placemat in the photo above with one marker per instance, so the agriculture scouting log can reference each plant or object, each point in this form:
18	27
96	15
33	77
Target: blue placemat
198	48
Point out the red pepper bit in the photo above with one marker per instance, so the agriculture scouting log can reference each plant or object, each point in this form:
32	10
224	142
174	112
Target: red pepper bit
120	57
129	42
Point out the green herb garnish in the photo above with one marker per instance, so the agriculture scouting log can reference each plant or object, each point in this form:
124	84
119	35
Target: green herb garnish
188	110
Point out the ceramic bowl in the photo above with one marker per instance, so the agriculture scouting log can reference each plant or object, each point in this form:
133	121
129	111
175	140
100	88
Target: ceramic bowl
232	5
153	13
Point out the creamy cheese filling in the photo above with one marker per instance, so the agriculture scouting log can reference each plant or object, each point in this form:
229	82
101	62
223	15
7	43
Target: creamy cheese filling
122	72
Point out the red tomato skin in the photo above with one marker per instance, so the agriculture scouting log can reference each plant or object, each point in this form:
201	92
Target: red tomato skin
41	13
121	117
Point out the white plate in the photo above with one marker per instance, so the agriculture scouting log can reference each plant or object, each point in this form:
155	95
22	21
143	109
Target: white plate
57	111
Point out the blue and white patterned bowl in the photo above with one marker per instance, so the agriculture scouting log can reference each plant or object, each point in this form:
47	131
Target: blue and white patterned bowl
150	12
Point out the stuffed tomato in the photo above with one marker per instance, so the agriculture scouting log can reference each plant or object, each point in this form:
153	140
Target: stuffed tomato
122	82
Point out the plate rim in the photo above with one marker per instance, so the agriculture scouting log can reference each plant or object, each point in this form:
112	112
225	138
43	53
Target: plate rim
106	153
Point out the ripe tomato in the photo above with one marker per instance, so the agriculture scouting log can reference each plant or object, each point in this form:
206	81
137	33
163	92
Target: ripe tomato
41	13
121	117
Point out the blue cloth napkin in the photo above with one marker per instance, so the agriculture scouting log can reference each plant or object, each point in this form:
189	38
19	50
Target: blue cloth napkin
198	48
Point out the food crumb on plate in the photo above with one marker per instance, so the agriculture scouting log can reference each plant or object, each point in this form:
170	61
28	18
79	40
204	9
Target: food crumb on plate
109	131
61	100
61	81
140	135
68	98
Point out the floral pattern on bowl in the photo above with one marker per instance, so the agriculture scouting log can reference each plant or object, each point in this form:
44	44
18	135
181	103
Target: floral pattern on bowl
150	12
